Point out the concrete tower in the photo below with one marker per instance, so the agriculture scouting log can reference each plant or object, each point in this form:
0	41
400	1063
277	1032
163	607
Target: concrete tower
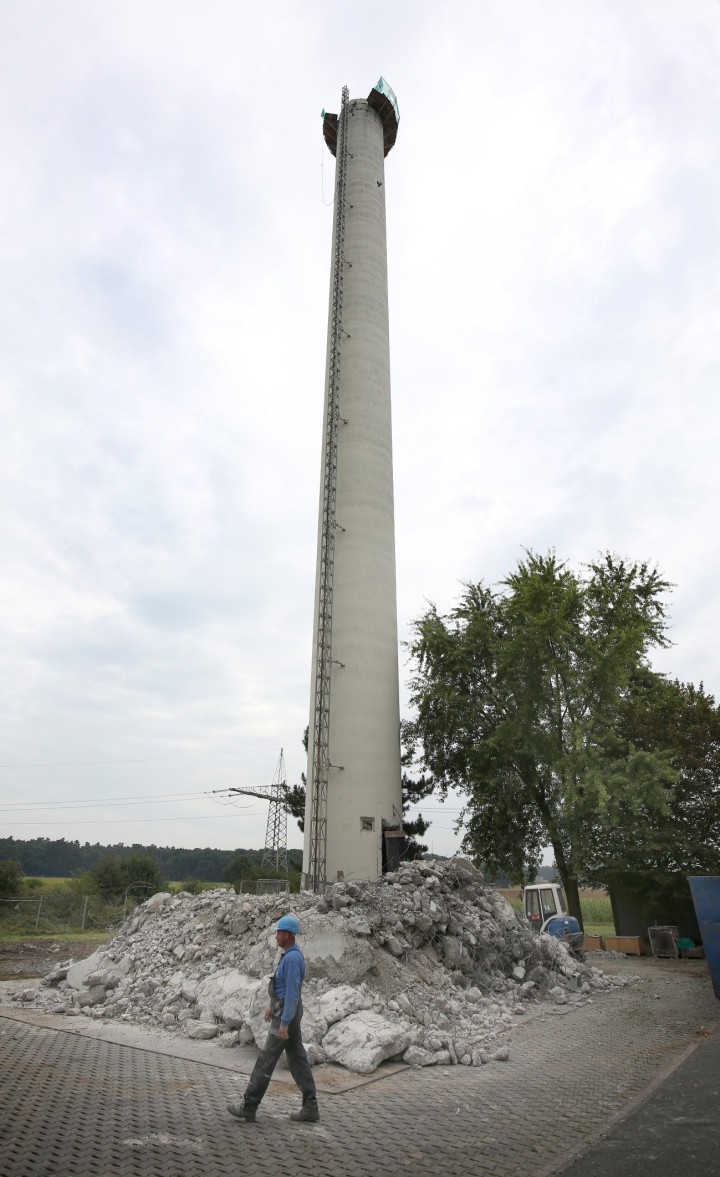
354	789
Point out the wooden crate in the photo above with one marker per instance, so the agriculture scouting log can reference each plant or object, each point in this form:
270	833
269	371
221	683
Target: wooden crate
630	945
592	943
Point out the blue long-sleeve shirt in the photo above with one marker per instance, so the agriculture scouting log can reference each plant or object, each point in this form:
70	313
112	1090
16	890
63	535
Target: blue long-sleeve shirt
287	981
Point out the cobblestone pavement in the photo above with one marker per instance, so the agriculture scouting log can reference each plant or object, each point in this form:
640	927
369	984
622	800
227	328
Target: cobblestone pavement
77	1107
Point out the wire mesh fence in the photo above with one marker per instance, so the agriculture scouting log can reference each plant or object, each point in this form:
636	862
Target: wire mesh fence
60	912
264	886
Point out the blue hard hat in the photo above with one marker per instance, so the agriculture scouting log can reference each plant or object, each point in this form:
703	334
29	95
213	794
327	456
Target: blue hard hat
288	923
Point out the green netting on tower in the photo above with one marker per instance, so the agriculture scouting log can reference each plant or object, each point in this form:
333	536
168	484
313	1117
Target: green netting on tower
383	88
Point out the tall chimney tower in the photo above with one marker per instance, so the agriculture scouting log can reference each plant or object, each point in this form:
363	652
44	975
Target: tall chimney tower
354	779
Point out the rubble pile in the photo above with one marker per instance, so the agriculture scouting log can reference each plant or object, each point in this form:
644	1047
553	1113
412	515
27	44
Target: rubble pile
427	965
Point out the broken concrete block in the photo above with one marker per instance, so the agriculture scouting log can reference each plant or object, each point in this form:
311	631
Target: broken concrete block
358	925
331	952
259	960
418	1056
155	902
341	1001
225	991
363	1040
201	1030
55	977
77	972
452	950
316	1054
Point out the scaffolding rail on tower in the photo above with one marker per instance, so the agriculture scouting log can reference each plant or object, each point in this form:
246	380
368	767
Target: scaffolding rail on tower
316	873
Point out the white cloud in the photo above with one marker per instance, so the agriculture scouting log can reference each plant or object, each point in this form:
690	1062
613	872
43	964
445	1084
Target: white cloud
553	255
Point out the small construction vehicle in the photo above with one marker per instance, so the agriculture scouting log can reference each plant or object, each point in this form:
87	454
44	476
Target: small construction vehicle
544	909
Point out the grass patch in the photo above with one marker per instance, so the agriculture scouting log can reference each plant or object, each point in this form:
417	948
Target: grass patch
597	911
43	884
63	911
93	937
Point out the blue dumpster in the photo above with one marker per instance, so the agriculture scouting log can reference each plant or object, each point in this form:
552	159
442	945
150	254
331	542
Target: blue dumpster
705	891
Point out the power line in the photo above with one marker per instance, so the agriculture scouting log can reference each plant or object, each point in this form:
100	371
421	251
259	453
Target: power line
134	760
436	809
129	820
138	799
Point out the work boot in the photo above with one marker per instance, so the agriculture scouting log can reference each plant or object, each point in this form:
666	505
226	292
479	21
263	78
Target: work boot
309	1113
241	1112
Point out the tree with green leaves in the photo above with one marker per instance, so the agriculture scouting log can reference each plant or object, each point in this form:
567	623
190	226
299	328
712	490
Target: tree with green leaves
136	873
240	867
517	695
680	723
11	877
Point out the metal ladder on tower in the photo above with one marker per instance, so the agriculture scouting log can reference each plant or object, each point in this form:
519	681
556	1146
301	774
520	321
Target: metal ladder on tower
316	874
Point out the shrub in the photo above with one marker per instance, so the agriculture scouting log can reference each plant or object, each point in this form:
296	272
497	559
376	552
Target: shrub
10	878
113	877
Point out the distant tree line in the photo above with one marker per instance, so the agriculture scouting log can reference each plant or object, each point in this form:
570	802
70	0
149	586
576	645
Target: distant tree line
58	858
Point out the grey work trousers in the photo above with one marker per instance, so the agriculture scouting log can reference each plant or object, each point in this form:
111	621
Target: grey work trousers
269	1056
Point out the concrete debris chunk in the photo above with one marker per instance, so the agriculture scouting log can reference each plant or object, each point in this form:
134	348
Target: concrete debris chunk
340	1002
426	964
201	1030
78	973
363	1040
418	1056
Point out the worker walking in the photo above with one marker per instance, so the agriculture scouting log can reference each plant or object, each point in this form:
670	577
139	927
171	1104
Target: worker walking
284	1014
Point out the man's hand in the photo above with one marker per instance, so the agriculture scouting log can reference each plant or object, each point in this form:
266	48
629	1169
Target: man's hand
268	1014
283	1032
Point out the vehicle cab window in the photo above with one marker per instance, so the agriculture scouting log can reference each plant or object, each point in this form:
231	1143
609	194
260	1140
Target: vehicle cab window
532	906
549	907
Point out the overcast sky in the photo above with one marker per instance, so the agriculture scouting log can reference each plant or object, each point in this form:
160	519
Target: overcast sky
165	223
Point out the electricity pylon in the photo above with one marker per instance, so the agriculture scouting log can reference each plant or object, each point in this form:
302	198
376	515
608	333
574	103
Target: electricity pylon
275	852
